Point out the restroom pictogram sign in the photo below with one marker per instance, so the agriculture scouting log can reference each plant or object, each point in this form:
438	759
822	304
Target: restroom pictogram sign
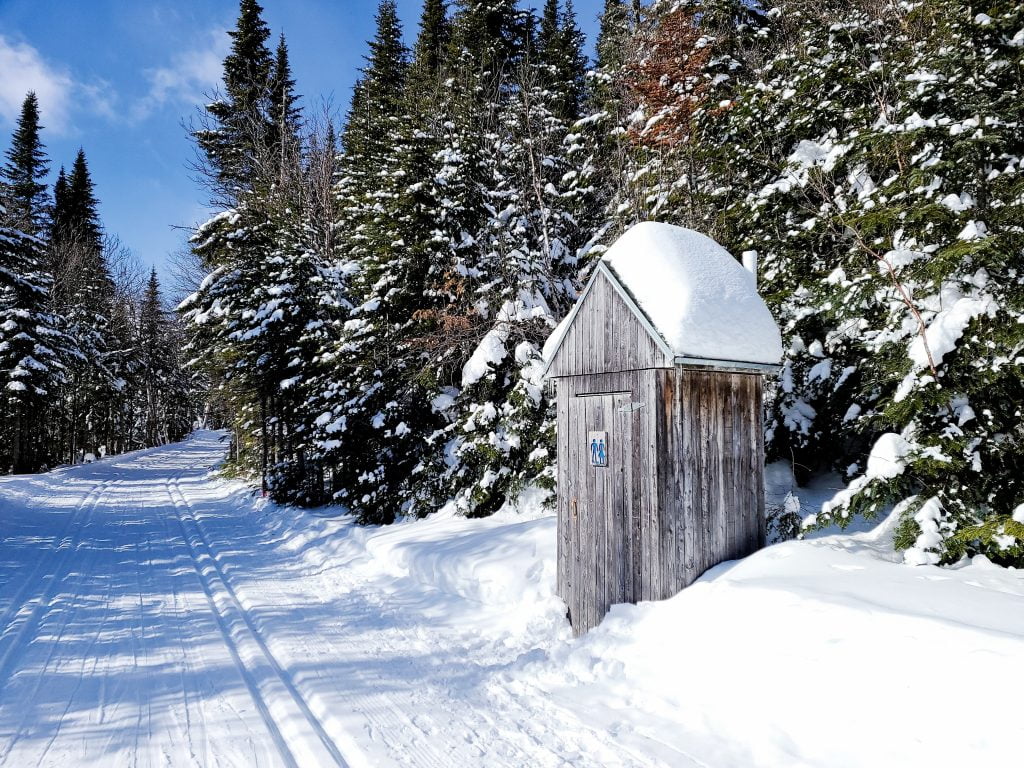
598	445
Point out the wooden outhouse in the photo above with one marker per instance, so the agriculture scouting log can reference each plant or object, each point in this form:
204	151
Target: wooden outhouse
659	372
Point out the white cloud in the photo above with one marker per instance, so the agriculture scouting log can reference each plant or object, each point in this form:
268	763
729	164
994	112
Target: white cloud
25	70
60	95
188	79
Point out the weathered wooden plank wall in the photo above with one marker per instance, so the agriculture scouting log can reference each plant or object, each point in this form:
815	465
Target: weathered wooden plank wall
713	494
605	514
605	337
683	490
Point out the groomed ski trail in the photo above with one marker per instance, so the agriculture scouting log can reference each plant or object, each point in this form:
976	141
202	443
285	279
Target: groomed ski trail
154	614
109	652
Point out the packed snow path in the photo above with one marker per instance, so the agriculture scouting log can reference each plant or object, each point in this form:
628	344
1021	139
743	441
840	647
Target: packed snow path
153	614
122	636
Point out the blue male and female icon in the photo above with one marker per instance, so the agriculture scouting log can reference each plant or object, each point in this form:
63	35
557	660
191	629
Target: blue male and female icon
598	454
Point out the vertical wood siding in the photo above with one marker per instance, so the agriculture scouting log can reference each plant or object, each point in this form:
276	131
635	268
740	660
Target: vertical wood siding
711	480
605	336
683	490
605	514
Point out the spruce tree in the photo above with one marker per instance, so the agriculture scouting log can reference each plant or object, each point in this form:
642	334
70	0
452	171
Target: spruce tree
247	315
612	50
22	177
30	350
60	221
431	44
517	276
284	113
81	201
600	148
486	43
935	233
84	298
489	36
154	359
559	54
184	403
373	452
378	98
240	129
83	285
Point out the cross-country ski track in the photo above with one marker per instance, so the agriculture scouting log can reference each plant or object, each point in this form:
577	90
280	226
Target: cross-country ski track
152	613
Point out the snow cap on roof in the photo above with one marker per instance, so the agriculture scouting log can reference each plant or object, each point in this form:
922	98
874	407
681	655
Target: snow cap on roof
701	300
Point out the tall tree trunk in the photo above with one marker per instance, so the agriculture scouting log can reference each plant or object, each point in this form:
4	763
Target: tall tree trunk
16	447
264	444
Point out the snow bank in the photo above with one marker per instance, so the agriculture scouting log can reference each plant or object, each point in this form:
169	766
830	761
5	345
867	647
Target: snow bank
697	296
501	567
504	563
819	652
807	654
440	642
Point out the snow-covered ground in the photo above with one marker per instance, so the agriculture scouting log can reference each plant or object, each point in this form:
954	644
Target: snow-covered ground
151	613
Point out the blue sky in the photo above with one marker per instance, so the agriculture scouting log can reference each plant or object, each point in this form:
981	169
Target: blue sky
119	77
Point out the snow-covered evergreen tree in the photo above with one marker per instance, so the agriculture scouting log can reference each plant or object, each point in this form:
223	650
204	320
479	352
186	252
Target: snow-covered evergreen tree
249	315
83	297
30	345
239	125
30	340
879	204
928	276
500	436
161	387
360	421
25	195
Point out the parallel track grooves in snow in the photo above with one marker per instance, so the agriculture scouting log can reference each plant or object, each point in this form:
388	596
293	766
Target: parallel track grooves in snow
186	675
32	579
69	617
29	626
62	554
297	745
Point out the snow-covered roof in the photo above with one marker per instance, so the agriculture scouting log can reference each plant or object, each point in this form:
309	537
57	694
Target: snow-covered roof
692	293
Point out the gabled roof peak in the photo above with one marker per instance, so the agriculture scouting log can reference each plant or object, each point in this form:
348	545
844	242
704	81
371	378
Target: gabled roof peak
691	294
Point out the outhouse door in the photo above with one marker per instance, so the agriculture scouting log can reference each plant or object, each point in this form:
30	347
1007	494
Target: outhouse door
603	568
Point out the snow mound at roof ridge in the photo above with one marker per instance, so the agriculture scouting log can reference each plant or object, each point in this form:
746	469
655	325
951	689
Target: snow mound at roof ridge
696	295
